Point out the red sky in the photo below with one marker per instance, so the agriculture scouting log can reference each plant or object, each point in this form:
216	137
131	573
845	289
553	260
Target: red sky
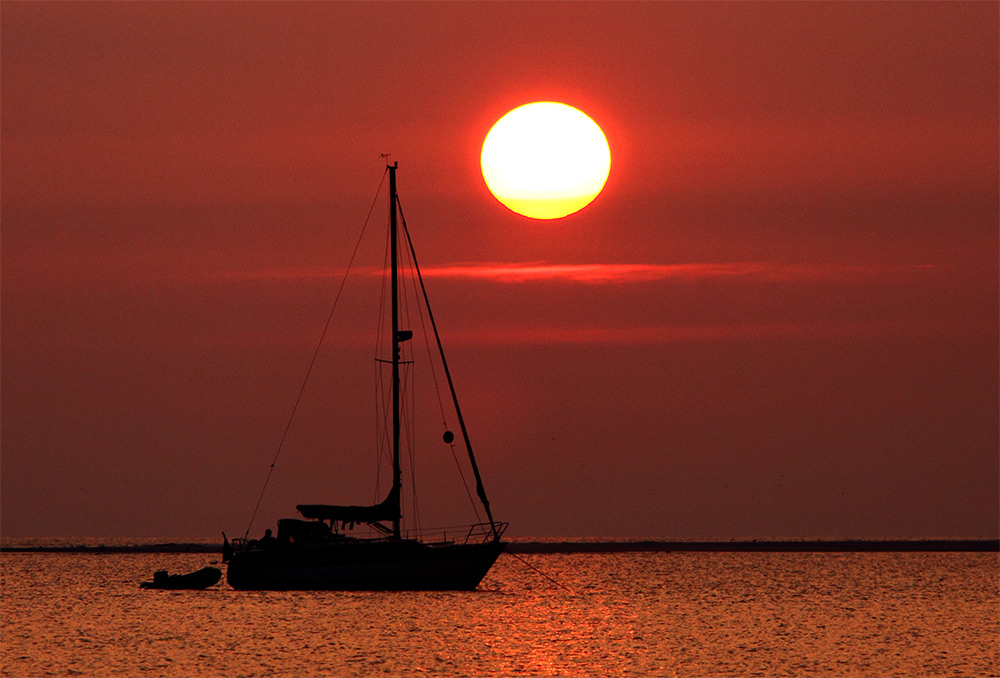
779	319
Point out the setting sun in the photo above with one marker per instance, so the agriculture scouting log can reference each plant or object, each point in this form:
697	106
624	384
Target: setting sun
545	160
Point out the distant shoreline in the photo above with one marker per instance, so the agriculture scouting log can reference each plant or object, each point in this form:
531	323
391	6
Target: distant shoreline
653	546
820	546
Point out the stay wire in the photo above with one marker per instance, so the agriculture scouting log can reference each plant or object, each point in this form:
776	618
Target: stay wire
382	444
315	355
414	280
480	490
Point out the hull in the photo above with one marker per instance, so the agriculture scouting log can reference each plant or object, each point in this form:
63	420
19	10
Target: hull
364	566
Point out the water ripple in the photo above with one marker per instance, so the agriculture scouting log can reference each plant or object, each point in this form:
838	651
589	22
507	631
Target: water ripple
629	614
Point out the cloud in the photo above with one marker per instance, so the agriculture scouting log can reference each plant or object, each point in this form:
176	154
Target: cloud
638	273
586	273
609	274
751	331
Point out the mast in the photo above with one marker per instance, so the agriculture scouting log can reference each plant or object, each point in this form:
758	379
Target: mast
397	474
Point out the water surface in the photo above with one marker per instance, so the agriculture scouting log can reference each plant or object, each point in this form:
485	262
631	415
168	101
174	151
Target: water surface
626	614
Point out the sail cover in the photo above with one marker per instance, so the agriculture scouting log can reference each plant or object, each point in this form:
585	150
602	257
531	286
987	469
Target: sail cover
388	509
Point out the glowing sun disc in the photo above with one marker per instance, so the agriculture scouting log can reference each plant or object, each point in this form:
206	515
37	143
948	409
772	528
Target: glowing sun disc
545	160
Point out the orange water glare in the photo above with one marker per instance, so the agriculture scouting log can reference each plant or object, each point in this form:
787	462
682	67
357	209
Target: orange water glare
545	160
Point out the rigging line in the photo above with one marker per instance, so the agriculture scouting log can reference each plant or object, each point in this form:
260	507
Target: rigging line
465	483
437	387
382	443
412	278
427	345
554	581
312	362
378	430
480	490
409	419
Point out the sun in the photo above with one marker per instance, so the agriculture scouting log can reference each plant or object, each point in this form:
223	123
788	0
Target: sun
545	160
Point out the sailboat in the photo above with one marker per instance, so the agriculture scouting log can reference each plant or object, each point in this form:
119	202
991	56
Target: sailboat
319	551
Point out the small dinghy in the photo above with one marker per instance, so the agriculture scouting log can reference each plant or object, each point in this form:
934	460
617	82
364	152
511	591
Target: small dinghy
202	579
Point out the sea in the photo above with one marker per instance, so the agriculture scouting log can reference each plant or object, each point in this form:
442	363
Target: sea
620	613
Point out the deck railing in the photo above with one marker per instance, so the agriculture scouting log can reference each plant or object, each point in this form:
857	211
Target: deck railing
478	533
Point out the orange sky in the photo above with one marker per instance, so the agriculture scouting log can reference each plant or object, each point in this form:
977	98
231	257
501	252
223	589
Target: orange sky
778	320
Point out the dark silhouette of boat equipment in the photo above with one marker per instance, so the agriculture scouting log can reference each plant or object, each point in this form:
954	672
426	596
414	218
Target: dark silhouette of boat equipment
201	579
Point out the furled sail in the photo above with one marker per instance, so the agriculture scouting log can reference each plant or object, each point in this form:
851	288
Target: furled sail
387	510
